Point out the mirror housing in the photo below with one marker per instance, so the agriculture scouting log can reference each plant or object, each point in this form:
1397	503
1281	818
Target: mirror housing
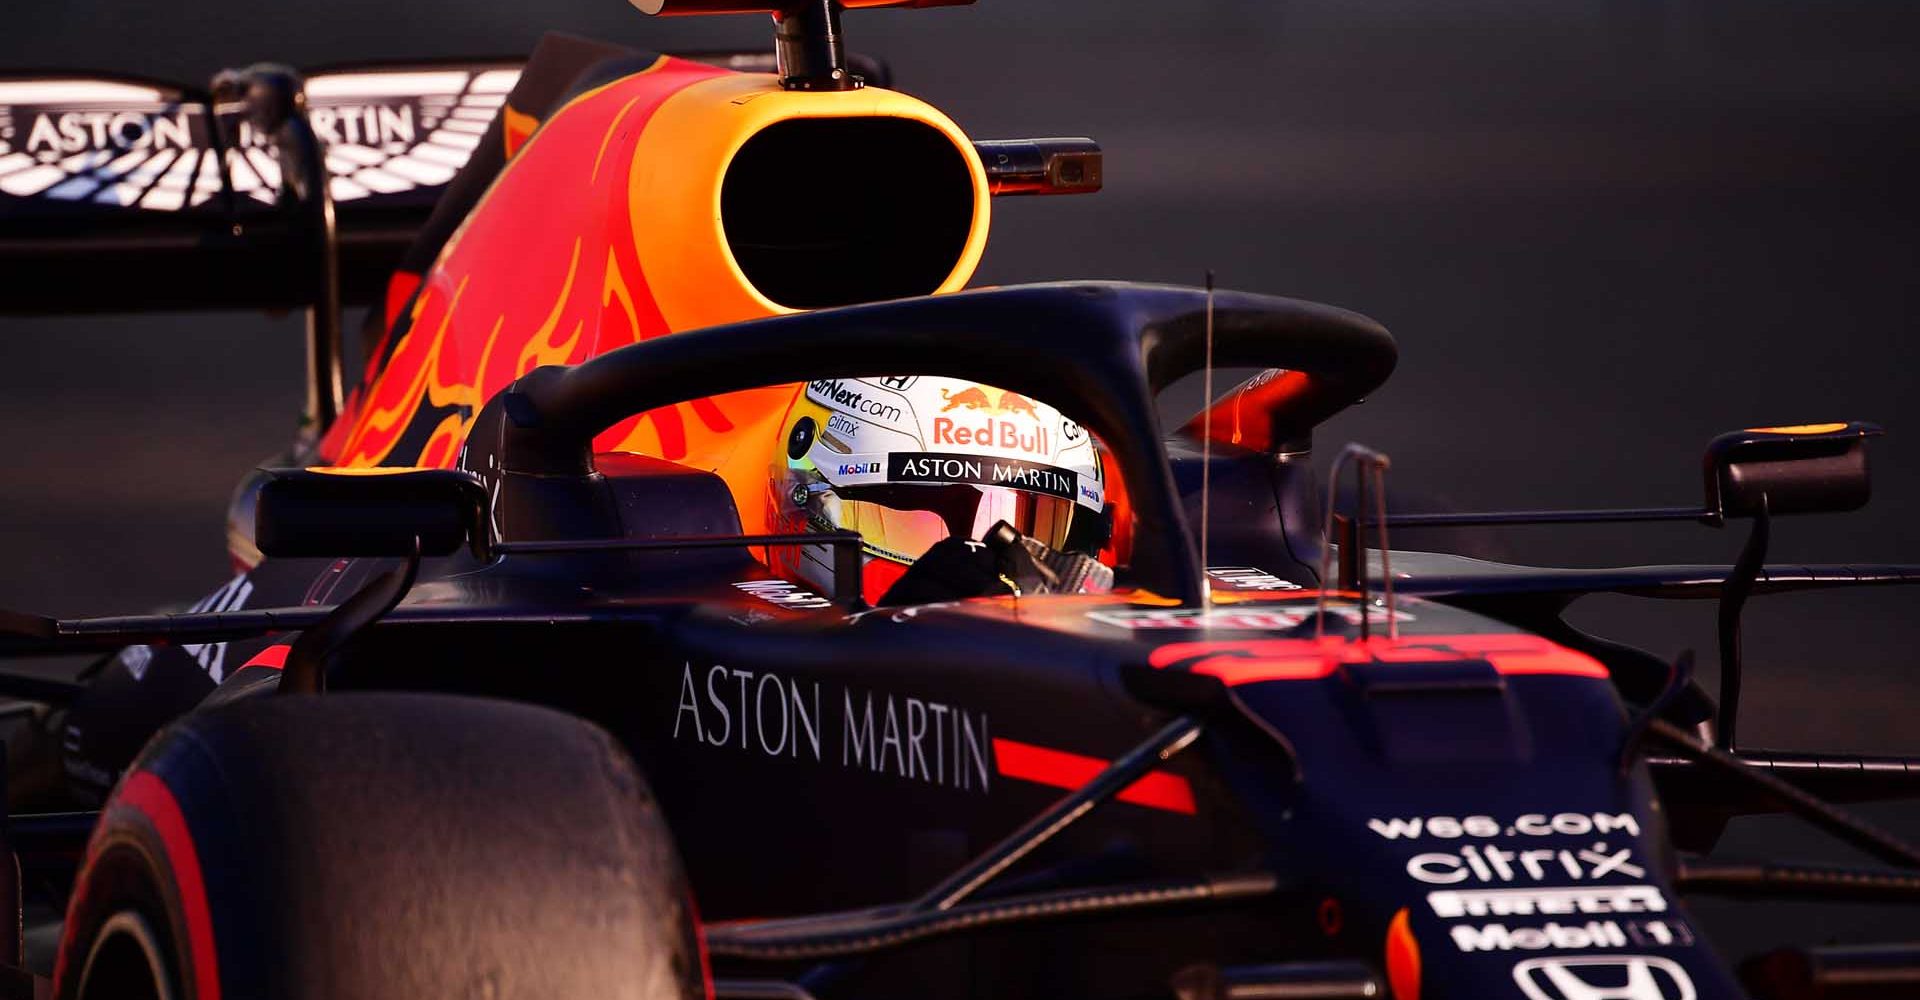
1802	469
333	512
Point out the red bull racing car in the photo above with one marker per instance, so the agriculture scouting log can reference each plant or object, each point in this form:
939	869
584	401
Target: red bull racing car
695	592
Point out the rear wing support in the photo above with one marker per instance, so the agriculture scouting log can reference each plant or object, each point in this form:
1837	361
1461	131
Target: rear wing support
273	100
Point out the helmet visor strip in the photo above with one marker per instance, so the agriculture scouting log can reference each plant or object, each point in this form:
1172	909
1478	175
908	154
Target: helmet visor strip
901	522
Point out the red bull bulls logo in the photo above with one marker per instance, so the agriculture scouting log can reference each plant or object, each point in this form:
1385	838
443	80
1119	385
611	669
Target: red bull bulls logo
976	398
1013	402
972	399
1002	434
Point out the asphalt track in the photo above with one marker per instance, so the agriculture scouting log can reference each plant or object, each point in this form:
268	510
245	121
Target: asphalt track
1602	231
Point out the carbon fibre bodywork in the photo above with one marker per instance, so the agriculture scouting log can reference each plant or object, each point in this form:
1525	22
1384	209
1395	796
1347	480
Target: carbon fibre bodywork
1435	803
811	762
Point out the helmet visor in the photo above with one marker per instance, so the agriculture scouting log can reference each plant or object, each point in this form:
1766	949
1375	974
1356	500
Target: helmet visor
902	522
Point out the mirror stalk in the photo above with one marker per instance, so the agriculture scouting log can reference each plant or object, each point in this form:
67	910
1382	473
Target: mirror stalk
1733	600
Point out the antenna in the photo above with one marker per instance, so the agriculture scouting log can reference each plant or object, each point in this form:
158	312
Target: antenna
1206	447
1379	464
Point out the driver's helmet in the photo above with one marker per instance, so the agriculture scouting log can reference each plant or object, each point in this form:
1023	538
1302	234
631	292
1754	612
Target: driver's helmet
909	460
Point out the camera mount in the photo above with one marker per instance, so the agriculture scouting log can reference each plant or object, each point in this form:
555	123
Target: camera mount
810	52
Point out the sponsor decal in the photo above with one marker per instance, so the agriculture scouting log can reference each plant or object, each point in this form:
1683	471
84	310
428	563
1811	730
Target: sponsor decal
1576	917
372	124
840	423
845	396
1557	936
1240	616
386	133
391	133
103	142
982	470
764	713
977	398
857	468
1025	437
1621	977
899	383
1248	578
212	656
783	594
1572	824
1070	432
66	132
1659	932
1454	903
1490	863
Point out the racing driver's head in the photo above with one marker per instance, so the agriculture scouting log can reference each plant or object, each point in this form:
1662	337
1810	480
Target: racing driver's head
909	460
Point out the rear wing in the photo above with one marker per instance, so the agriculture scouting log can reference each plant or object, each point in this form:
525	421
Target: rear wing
149	197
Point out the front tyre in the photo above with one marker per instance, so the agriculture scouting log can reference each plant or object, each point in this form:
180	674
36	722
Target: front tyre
376	845
126	962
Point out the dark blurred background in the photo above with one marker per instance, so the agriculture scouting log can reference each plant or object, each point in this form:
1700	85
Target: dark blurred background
1602	230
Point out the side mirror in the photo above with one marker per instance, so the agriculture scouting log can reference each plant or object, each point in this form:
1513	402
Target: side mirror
370	512
1804	469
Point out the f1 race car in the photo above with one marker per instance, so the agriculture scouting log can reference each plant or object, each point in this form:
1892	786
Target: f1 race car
698	593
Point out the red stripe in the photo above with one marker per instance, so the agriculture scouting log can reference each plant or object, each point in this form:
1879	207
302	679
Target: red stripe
1060	769
700	941
274	657
1256	660
144	791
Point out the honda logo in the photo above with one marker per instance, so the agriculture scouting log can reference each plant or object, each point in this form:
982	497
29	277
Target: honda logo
1626	977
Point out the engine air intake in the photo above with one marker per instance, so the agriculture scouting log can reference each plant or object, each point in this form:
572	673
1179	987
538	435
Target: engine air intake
886	215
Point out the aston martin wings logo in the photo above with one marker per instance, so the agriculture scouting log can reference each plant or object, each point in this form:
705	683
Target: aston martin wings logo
395	135
392	132
107	142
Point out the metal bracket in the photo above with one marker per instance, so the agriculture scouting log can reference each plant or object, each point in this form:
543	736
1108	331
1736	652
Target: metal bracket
1733	600
274	100
313	653
1370	483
